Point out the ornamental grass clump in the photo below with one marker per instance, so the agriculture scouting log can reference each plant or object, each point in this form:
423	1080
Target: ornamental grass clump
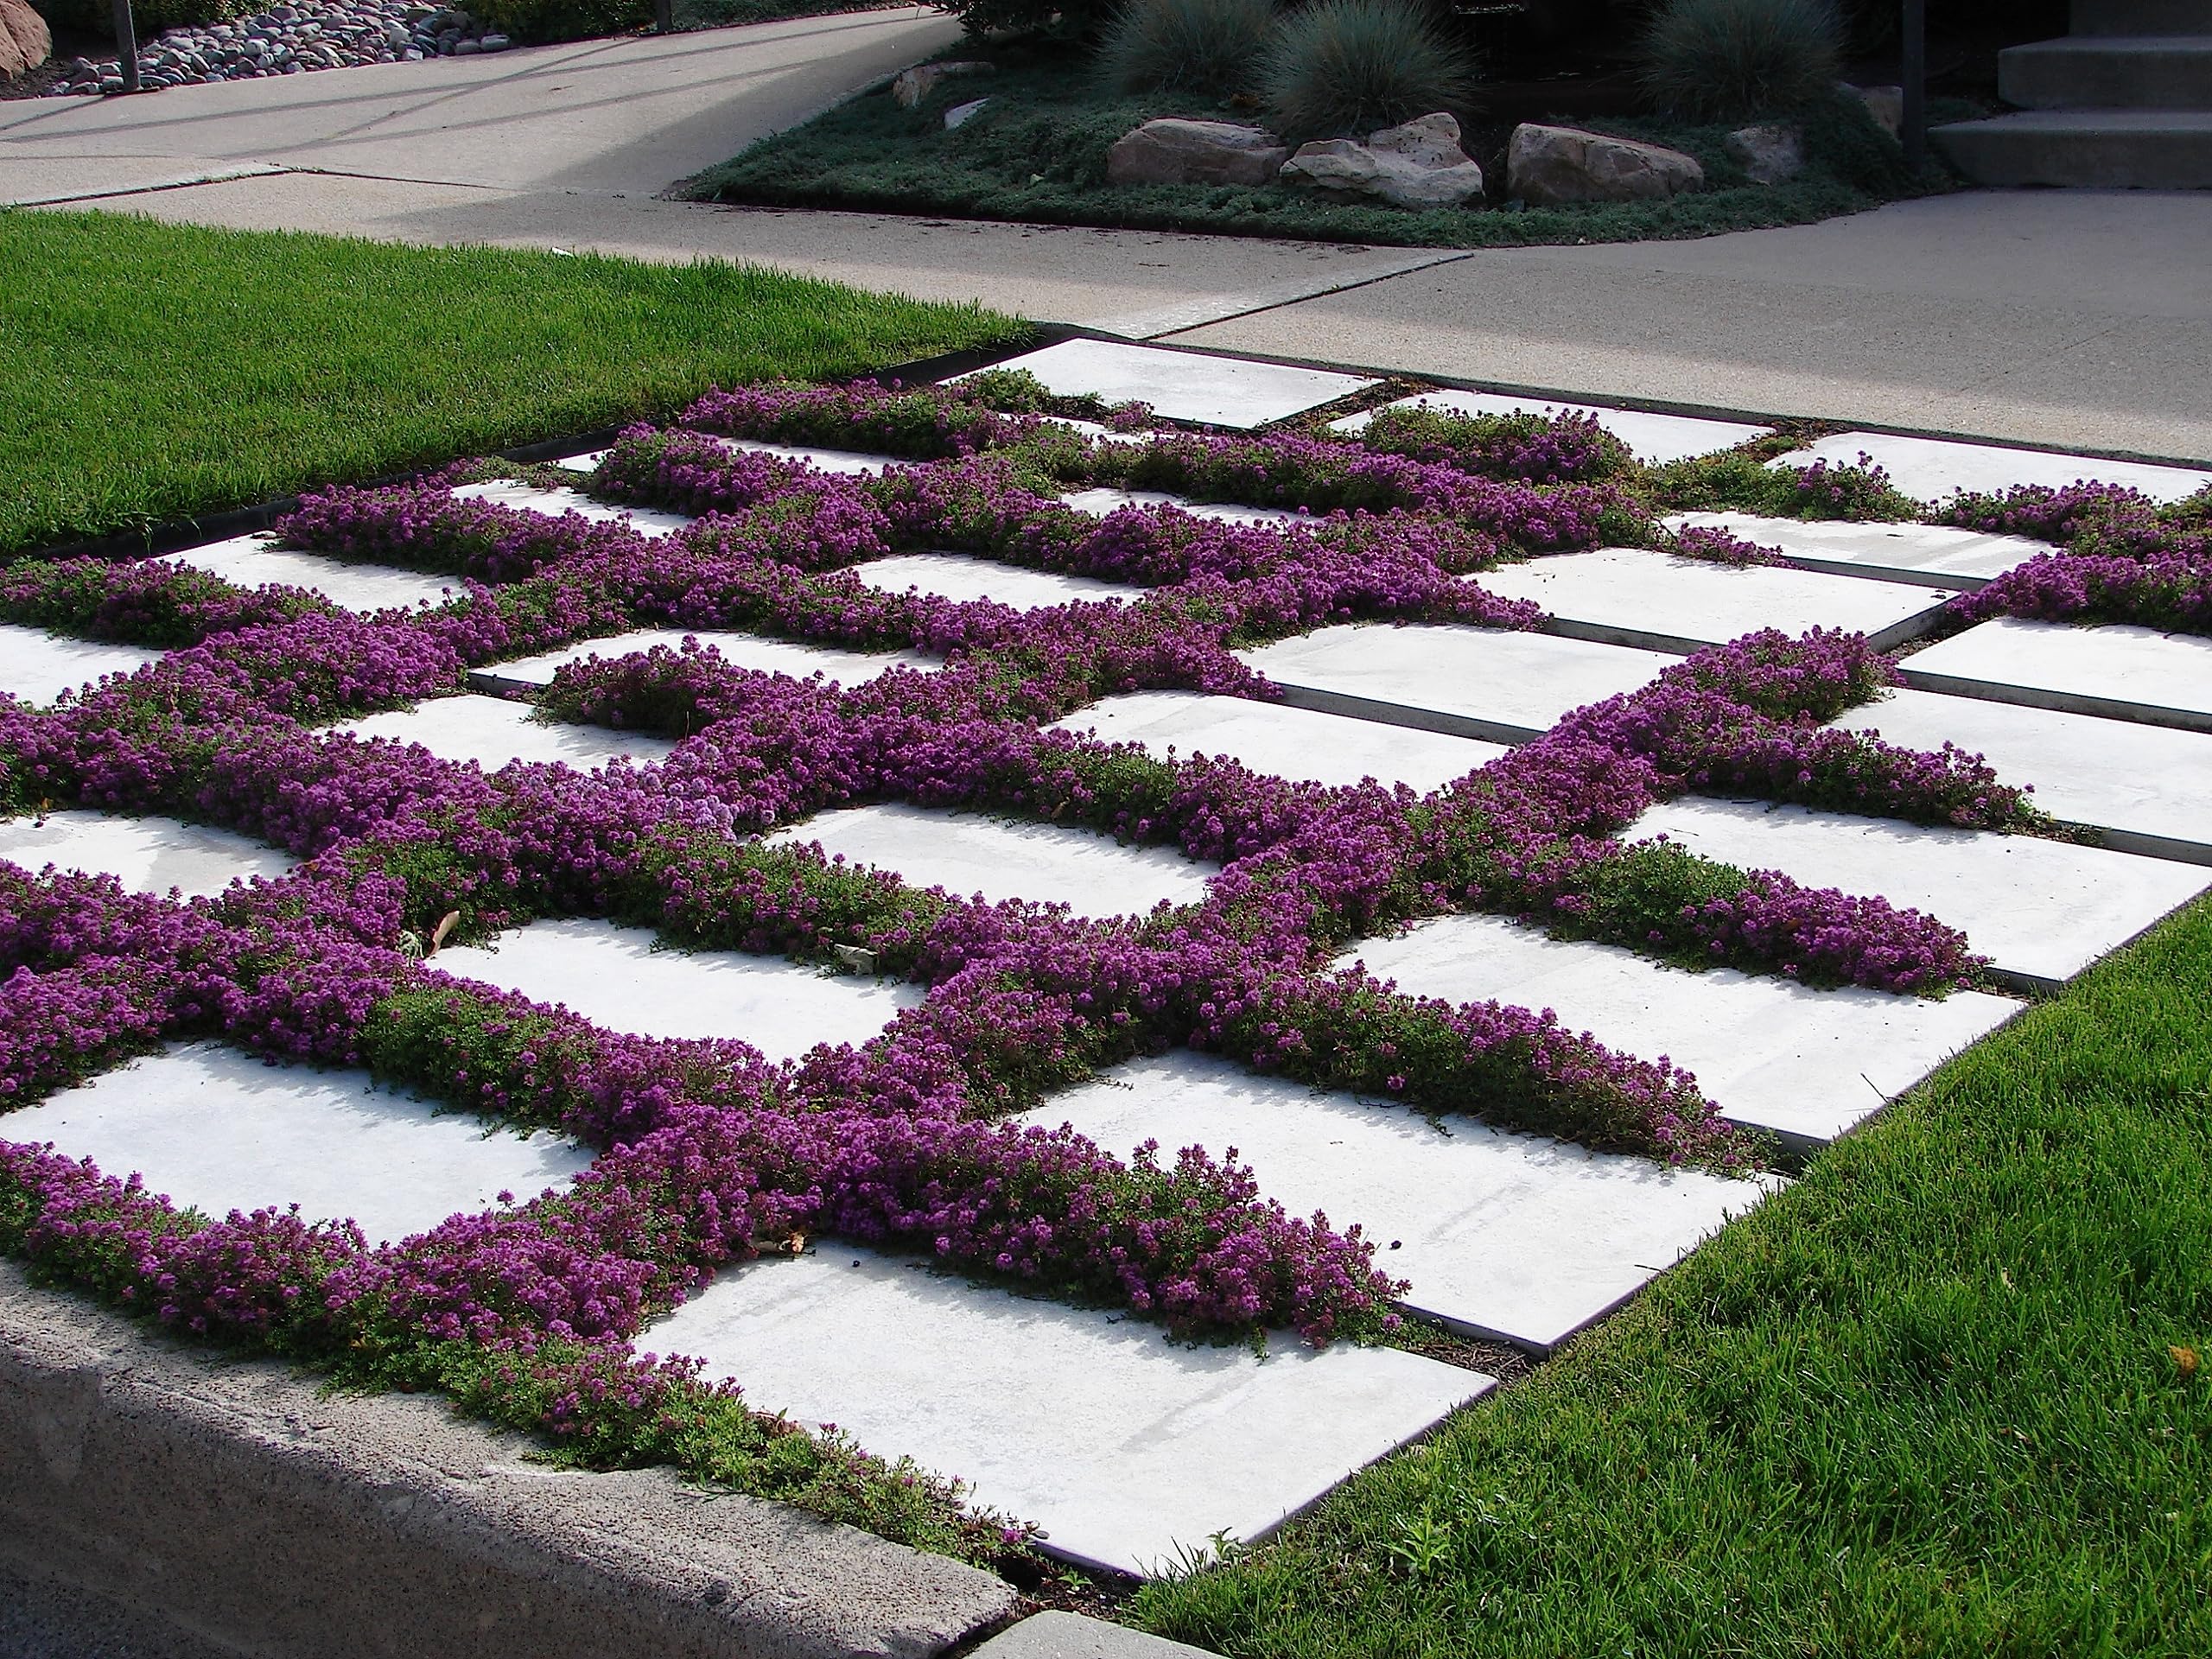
1346	67
1731	59
1199	46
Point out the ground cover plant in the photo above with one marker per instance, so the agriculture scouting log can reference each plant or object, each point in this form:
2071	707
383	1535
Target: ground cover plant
1037	151
707	1154
314	358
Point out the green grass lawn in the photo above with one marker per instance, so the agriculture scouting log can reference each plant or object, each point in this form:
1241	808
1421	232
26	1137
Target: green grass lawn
1938	1398
150	372
1037	152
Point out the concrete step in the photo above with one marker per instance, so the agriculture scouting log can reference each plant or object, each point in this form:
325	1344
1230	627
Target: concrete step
2112	72
2141	18
2098	149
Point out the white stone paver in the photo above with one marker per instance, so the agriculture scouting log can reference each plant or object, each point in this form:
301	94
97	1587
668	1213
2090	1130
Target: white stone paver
2144	788
752	650
256	561
1934	556
38	666
1128	1448
956	577
1637	597
615	977
493	732
1929	469
1486	682
1517	1237
1103	501
1807	1064
2118	669
1185	385
1303	745
512	493
146	854
2041	911
587	462
853	462
1652	439
221	1130
967	853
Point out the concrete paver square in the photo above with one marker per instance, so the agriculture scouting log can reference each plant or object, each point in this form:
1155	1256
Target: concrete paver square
223	1130
1633	596
146	854
752	650
1303	745
1934	556
616	977
508	492
1128	1448
2041	911
494	732
956	577
967	853
1185	385
1513	1236
1928	469
38	666
2116	670
1653	439
2144	789
1807	1064
1492	683
256	561
1103	501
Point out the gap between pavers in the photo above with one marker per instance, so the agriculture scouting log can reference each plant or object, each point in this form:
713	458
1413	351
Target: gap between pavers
233	1499
147	855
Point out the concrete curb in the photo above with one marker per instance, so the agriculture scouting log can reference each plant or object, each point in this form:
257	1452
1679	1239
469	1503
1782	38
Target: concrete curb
233	1502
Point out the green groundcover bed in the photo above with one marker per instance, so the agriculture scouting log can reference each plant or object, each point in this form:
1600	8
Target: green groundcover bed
1037	151
1946	1396
151	373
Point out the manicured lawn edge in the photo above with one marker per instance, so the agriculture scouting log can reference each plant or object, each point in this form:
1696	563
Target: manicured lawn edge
1942	1396
151	372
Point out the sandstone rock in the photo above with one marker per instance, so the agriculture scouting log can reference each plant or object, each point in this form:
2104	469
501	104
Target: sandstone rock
1769	154
1417	165
1549	164
24	41
1885	104
960	114
914	85
1175	151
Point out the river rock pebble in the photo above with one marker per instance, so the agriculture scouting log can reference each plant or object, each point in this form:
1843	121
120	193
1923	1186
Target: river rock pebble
291	40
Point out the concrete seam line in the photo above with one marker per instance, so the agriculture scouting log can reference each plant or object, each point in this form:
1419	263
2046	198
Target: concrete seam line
1176	319
237	1501
220	175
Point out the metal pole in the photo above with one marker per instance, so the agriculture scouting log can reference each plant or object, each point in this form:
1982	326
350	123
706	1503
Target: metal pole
1914	133
126	45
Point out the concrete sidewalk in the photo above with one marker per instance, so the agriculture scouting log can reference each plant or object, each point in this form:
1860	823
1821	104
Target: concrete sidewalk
2080	320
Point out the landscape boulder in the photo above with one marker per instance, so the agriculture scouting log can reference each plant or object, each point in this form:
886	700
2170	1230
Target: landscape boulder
912	86
1885	104
1419	164
24	41
1769	154
1553	164
1175	151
